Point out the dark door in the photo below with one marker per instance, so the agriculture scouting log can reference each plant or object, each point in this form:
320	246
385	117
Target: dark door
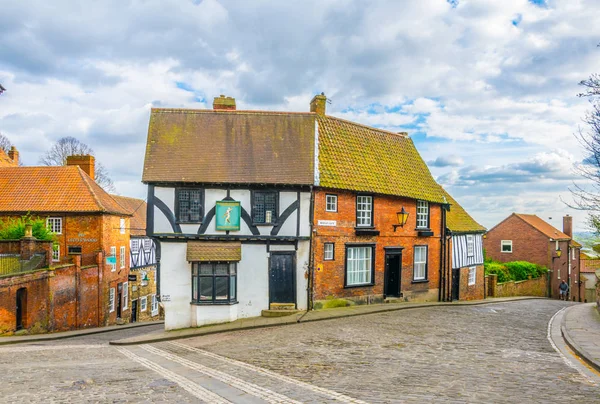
393	271
134	311
455	283
119	299
21	308
282	285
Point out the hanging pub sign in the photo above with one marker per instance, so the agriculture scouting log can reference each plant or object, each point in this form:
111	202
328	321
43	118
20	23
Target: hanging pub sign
227	215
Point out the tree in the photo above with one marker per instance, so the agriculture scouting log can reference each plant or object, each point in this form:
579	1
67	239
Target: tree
69	146
5	144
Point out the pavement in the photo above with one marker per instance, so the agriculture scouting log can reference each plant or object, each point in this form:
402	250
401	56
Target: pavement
581	330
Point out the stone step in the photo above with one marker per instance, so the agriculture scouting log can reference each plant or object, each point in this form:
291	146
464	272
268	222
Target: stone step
283	306
278	313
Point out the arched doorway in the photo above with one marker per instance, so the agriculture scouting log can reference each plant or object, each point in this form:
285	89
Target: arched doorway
21	308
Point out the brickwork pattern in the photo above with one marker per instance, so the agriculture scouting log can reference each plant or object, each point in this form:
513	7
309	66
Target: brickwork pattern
530	287
471	292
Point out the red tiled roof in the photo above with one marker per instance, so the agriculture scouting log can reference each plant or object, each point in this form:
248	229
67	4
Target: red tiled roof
53	189
6	161
137	207
543	227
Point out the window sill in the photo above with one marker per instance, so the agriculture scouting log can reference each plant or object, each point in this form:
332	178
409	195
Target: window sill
362	285
424	232
215	303
264	224
155	313
420	281
366	231
506	252
178	222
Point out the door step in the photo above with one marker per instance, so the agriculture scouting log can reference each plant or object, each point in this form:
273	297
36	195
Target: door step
278	313
282	306
394	300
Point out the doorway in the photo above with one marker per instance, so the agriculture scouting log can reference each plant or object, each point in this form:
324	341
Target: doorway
455	283
393	272
21	308
282	280
119	299
134	311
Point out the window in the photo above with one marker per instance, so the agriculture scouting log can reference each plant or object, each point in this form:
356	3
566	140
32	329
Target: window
135	245
111	300
55	252
359	265
125	295
74	249
143	303
328	251
472	275
147	244
264	207
189	205
122	225
54	224
470	245
122	257
572	253
364	211
557	246
113	253
420	264
422	214
506	246
154	307
214	282
331	203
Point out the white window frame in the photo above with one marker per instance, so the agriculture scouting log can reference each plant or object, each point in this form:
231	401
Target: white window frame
470	245
122	256
125	295
573	254
55	252
420	263
359	265
506	243
557	245
328	251
422	214
143	303
472	276
122	225
111	300
331	203
147	244
54	224
135	245
113	253
154	307
364	211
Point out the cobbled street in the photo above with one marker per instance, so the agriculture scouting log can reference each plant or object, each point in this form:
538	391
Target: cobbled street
490	353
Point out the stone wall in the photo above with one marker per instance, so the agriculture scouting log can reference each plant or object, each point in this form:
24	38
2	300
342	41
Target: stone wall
531	287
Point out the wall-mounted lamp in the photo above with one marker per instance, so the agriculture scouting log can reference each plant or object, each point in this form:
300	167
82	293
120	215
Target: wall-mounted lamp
558	254
402	218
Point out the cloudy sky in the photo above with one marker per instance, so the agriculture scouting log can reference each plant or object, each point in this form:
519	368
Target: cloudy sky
487	89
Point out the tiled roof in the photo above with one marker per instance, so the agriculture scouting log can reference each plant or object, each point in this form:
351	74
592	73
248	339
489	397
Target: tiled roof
364	159
543	227
137	208
575	244
53	189
227	146
214	251
6	161
458	220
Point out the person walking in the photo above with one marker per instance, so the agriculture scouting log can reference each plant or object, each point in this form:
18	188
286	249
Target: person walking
563	288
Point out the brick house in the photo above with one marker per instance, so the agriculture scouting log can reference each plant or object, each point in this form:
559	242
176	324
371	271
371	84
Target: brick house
85	219
522	237
466	251
590	263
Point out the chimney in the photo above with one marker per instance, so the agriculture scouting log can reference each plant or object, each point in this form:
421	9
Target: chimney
13	154
318	104
224	103
86	163
568	225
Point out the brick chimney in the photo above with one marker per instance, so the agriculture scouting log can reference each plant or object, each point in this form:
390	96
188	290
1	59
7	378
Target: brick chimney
13	154
568	225
86	163
319	104
224	103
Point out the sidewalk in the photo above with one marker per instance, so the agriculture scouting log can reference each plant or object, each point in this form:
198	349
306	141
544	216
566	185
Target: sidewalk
581	330
71	334
316	315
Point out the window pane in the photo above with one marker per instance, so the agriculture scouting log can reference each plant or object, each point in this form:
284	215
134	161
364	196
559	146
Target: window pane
358	265
195	207
264	202
232	268
232	288
206	269
195	288
221	287
363	210
221	269
206	288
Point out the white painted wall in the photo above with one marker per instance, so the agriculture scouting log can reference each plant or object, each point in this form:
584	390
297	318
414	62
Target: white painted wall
167	195
176	283
305	214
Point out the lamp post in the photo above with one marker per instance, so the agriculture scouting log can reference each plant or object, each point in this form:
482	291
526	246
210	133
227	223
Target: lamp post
402	218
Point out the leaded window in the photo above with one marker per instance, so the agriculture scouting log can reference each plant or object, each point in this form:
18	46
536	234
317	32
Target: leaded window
364	211
264	207
189	205
422	214
214	282
359	265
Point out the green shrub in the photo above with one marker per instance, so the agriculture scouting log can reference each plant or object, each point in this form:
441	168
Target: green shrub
514	271
498	269
14	229
333	303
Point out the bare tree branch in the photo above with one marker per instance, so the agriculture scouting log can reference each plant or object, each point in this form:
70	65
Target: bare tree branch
5	144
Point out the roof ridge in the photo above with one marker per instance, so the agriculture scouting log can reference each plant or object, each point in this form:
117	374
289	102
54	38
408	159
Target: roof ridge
367	126
519	215
229	111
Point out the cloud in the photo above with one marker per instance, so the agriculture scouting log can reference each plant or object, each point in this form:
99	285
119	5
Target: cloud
447	161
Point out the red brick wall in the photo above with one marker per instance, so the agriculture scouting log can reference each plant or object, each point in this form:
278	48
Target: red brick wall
111	236
471	292
531	287
329	275
37	307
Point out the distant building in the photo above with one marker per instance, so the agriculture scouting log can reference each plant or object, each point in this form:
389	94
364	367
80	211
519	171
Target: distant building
10	159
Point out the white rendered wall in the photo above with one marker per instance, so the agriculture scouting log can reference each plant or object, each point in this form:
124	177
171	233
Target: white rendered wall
175	285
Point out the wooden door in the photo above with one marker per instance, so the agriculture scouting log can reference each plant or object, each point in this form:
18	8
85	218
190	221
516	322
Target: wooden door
282	282
393	271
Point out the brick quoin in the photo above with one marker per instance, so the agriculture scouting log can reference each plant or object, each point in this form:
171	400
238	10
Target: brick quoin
329	275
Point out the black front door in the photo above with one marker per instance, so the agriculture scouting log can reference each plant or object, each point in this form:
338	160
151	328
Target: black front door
21	307
455	283
393	271
282	283
134	311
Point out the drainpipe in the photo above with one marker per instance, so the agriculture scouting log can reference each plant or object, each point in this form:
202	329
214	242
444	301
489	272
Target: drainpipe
311	252
442	254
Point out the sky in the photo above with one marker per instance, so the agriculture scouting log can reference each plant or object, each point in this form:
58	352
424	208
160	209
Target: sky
486	89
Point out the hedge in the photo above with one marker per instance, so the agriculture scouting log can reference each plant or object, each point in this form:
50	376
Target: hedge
514	271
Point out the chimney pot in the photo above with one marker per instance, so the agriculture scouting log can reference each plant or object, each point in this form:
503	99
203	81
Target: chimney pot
319	104
13	154
224	103
85	162
568	225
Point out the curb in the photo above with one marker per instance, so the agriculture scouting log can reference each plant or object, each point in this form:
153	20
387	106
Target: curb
299	319
73	334
582	353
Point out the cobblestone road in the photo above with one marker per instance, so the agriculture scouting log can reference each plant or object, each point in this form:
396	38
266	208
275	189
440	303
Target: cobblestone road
492	353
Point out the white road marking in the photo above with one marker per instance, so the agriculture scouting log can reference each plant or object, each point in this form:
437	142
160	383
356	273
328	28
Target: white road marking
250	388
564	358
34	348
326	392
189	386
